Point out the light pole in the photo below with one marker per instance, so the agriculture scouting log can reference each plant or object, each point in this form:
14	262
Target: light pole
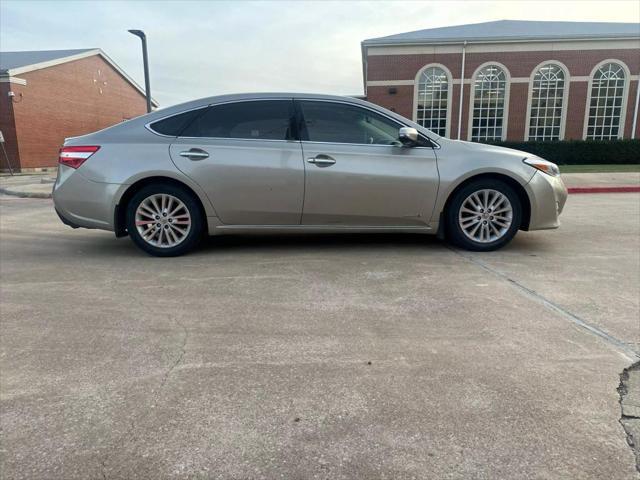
145	60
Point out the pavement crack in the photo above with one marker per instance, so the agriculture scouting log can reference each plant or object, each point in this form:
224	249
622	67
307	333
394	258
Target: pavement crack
178	360
629	391
619	344
130	432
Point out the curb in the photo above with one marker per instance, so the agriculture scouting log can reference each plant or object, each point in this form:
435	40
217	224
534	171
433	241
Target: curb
603	189
17	193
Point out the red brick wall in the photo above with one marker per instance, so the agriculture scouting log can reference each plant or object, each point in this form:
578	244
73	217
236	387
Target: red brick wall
66	100
517	120
8	128
577	107
519	64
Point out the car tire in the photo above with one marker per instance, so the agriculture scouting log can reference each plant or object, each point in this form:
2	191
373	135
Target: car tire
164	220
484	215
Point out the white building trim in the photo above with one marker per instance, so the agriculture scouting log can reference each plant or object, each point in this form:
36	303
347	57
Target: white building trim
389	83
9	79
89	53
507	46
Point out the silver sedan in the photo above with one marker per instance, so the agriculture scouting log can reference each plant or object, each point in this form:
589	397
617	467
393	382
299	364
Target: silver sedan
297	163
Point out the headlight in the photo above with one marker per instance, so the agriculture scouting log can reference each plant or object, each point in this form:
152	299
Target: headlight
544	166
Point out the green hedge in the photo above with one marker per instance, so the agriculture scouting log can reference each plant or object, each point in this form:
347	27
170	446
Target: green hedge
582	152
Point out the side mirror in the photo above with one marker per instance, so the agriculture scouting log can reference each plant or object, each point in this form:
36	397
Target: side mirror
408	136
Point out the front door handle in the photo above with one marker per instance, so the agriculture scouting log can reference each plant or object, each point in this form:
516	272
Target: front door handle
195	154
321	160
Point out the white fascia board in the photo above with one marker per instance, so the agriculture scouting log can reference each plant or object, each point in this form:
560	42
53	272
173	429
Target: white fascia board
58	61
431	48
9	79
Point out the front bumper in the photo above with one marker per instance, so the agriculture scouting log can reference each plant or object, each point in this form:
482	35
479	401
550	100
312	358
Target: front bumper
81	202
548	195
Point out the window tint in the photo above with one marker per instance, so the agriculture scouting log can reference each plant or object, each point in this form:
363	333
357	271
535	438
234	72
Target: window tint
263	119
341	123
174	125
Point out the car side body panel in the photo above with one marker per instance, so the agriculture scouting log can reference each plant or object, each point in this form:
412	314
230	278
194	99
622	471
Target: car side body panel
130	152
369	185
250	182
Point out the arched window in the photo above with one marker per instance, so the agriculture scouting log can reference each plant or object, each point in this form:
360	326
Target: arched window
547	103
606	100
432	100
489	104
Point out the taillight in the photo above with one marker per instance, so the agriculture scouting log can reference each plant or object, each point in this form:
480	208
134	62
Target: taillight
75	156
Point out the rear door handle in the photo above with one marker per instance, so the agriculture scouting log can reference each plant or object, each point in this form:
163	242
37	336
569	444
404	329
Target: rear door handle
321	160
195	154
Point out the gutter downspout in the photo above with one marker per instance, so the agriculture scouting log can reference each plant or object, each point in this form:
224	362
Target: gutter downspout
635	110
464	45
365	66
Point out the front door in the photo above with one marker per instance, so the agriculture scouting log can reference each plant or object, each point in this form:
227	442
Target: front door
246	159
357	174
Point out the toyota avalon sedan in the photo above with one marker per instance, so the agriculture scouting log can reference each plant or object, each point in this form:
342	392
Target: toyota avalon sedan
297	163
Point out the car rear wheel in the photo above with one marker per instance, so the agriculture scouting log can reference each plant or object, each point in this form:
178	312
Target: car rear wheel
164	220
483	215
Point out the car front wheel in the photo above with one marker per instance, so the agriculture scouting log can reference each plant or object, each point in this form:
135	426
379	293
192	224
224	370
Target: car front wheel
484	215
164	220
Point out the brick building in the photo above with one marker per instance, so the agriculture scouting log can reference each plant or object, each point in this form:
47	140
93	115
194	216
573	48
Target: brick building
46	96
522	80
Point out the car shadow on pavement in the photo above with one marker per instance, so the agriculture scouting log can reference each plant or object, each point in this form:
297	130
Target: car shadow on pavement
524	243
306	242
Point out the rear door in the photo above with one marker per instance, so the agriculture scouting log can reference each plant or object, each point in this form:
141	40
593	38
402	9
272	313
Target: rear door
247	158
357	173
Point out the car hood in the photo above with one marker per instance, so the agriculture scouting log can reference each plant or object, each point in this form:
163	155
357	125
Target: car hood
493	150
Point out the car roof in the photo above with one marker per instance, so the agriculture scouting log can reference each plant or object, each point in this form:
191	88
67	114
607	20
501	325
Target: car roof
254	96
159	114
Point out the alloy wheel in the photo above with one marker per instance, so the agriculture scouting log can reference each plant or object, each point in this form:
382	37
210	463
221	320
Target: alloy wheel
485	216
163	220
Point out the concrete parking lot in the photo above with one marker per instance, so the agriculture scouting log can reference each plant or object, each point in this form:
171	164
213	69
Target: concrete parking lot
318	357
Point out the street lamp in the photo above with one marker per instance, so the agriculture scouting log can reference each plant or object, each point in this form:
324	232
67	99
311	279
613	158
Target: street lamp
145	59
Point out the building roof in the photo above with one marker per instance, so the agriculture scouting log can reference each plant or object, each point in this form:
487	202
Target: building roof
512	30
13	60
13	64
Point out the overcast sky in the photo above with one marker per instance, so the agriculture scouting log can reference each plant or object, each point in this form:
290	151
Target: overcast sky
204	48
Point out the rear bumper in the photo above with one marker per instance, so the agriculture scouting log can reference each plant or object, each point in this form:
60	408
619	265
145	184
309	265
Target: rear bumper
548	195
80	202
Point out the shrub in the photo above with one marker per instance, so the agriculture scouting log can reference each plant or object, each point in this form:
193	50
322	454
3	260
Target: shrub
582	152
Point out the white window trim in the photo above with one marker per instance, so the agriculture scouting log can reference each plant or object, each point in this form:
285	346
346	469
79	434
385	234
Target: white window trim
472	97
625	96
416	88
565	97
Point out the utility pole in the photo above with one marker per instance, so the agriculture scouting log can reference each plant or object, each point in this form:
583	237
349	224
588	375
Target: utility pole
145	60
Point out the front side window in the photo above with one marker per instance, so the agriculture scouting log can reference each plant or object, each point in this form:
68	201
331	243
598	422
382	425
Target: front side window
489	99
257	120
605	106
547	98
340	123
433	100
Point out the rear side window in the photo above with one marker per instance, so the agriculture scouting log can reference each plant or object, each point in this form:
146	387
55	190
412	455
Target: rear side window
259	120
173	126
